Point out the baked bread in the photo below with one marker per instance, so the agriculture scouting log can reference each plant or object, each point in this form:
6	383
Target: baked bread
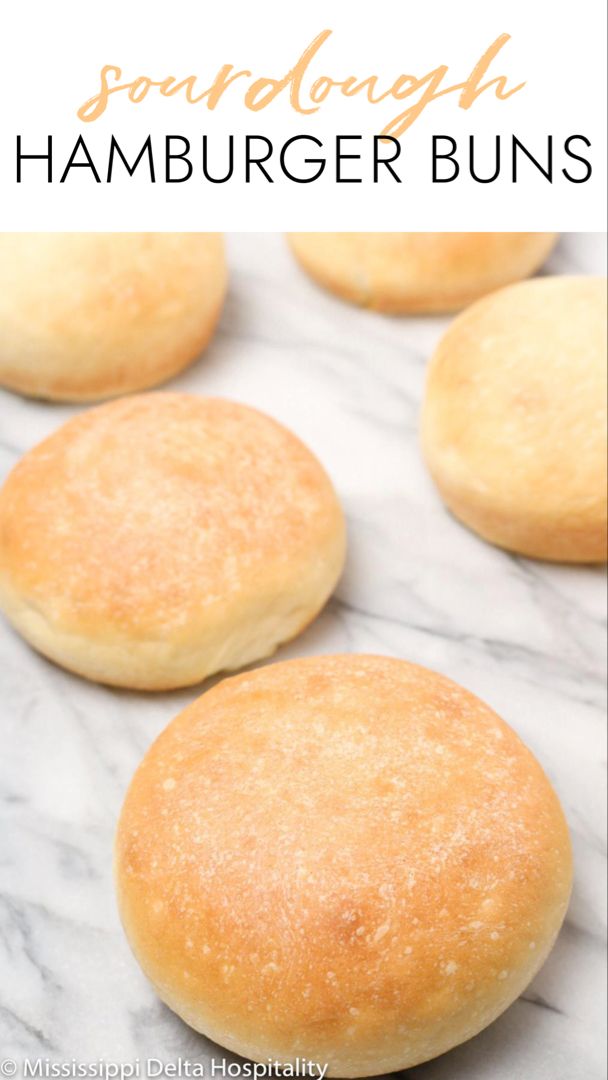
85	316
157	539
418	273
348	859
514	419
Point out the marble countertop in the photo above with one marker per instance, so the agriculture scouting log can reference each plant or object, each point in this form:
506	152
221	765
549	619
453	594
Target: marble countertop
529	638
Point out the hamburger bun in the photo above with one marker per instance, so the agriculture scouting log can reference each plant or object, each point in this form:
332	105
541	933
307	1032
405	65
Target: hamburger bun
85	316
155	540
418	273
514	418
348	859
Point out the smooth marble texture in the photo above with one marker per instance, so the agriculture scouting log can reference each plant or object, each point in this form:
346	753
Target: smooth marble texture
529	638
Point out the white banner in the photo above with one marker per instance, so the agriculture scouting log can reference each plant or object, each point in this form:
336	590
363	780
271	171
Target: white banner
435	115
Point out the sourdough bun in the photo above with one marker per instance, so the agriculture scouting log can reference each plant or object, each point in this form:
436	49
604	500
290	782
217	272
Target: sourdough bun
346	858
514	418
155	540
85	316
418	273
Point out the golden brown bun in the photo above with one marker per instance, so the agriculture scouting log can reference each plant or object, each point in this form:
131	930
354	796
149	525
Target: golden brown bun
345	858
85	316
155	540
514	419
418	273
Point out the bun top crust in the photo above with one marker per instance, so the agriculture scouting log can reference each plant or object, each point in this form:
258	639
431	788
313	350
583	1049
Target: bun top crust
515	413
140	518
346	857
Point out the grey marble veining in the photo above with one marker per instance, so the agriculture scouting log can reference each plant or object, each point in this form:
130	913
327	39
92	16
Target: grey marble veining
527	637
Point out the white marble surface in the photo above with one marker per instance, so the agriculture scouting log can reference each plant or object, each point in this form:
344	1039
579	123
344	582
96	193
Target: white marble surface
527	637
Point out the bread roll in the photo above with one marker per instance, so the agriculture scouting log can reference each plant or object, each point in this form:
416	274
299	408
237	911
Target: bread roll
418	273
155	540
514	418
85	316
348	859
